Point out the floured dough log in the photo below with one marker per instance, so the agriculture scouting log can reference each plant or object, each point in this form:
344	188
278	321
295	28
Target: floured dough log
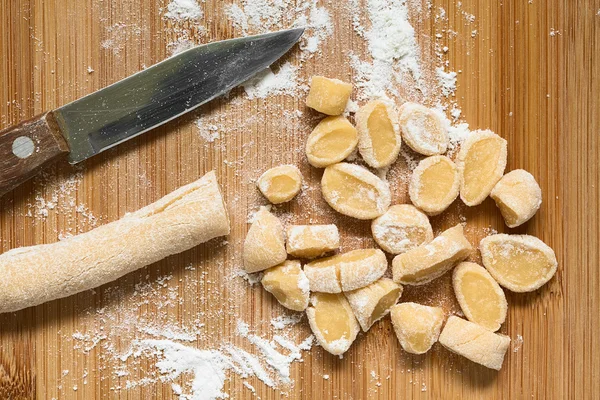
430	261
280	184
190	215
474	342
346	271
479	295
310	241
518	196
521	263
327	95
481	162
332	140
417	327
423	129
288	283
402	228
434	184
371	303
379	137
265	242
332	321
354	191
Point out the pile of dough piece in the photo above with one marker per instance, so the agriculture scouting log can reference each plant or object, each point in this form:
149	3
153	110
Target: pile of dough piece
345	292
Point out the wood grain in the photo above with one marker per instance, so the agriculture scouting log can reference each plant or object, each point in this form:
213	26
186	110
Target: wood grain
536	89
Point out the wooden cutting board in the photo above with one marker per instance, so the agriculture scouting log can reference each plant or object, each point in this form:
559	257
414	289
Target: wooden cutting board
529	72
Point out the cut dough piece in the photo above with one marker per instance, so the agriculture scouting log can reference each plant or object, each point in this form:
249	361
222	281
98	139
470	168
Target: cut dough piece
332	140
481	162
354	191
265	242
479	295
188	216
521	263
379	137
327	95
310	241
430	261
518	196
288	283
402	228
280	184
434	184
332	321
346	271
373	302
474	342
424	130
417	327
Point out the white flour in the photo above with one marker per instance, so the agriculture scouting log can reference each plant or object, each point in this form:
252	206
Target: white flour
268	83
184	9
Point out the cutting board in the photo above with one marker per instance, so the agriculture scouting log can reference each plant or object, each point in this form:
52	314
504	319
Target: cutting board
529	72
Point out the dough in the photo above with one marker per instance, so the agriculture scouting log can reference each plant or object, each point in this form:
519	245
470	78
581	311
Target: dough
190	215
310	241
332	140
402	228
434	184
264	246
280	184
288	284
424	130
417	326
328	95
379	138
371	303
518	196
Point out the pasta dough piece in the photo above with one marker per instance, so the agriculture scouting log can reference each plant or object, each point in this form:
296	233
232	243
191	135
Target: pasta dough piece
371	303
379	138
417	327
474	342
424	130
190	215
332	140
430	261
518	196
402	228
434	184
288	283
280	184
346	271
310	241
327	95
265	243
332	321
521	263
481	162
354	191
479	295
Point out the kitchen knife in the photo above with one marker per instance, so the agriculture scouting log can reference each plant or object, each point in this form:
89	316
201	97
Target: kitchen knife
136	104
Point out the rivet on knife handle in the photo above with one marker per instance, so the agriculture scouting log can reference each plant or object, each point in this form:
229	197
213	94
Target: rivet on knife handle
28	147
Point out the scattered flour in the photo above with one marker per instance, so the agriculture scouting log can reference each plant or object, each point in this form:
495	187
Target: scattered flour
517	343
267	83
282	322
184	9
447	81
208	132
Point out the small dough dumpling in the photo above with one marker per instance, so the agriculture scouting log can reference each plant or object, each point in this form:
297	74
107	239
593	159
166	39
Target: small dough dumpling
518	196
379	137
328	96
474	342
264	246
288	284
423	129
332	140
280	184
479	295
354	191
434	184
332	322
481	162
417	326
371	303
429	261
520	263
347	271
310	241
403	227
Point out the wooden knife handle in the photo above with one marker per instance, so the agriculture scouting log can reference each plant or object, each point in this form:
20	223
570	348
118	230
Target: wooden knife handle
26	148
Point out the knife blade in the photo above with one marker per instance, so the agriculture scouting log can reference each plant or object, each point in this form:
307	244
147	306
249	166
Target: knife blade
136	104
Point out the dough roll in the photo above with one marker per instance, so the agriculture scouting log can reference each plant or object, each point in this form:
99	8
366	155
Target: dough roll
190	215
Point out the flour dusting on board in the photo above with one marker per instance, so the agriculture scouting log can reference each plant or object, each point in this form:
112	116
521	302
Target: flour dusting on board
184	9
